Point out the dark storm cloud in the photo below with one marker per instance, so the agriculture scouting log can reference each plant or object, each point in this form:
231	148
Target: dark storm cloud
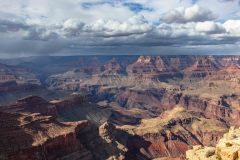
36	33
15	46
12	26
30	32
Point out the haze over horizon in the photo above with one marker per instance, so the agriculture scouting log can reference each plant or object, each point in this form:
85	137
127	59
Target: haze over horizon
113	27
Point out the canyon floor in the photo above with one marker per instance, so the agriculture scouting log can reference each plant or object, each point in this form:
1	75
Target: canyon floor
119	108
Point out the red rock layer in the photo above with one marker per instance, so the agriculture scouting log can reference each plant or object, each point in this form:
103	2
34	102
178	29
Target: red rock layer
35	137
203	67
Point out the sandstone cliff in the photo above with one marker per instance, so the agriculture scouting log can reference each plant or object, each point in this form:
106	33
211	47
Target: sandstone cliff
228	148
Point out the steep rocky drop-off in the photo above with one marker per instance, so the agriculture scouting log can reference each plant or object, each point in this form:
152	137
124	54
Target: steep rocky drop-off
37	137
228	148
171	134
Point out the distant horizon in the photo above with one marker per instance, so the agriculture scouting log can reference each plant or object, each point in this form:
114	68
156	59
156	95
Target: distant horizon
77	55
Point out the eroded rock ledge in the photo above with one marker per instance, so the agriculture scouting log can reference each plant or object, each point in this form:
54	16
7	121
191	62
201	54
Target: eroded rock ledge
228	148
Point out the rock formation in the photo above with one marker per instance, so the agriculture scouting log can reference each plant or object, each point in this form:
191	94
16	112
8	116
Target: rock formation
229	73
34	137
228	148
17	74
203	67
149	67
172	134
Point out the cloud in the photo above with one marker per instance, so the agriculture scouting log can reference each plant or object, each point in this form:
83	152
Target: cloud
73	35
12	26
224	9
26	31
210	27
108	26
72	27
191	14
113	28
43	34
232	27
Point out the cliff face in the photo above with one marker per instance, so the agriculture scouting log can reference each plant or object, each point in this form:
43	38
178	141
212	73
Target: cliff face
29	131
163	68
153	101
226	107
203	67
149	67
34	136
172	134
228	148
229	73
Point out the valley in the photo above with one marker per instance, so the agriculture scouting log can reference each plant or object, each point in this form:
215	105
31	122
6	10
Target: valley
116	107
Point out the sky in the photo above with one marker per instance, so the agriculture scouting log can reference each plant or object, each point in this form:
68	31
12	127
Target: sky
86	27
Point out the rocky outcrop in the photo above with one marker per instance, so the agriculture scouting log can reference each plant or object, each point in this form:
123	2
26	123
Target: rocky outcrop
105	142
172	134
31	131
33	104
10	92
35	137
69	102
228	148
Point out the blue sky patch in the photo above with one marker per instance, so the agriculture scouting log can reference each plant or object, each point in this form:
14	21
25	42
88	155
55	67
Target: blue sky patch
135	7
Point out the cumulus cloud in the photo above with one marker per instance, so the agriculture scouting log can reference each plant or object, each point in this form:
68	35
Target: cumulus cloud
72	27
232	27
210	27
110	28
106	28
191	14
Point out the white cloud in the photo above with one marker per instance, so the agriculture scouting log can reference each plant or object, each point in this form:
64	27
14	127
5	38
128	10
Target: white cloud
133	25
222	8
232	27
191	14
209	27
106	28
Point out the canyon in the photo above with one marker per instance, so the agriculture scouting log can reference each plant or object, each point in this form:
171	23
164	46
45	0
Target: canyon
117	107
